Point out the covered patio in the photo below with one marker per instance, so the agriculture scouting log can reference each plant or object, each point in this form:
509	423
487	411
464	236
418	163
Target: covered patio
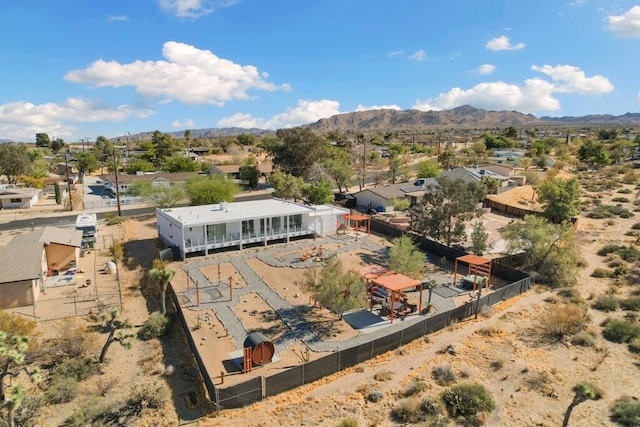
478	272
386	288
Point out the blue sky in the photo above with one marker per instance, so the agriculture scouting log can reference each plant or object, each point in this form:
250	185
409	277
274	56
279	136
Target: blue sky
76	69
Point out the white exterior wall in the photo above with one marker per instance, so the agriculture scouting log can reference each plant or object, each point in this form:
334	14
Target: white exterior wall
25	202
169	230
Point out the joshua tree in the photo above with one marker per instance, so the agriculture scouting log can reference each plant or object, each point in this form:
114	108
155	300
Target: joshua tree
161	277
584	391
13	402
111	324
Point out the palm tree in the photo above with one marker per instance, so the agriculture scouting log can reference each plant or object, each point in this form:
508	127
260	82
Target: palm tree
584	391
161	277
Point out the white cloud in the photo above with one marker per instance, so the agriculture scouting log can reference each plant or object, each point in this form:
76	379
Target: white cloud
186	124
21	120
190	75
485	69
192	9
627	24
420	55
638	98
115	18
503	43
570	79
575	3
395	53
532	96
361	107
306	111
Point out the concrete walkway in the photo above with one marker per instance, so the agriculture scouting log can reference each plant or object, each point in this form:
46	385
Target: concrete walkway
298	328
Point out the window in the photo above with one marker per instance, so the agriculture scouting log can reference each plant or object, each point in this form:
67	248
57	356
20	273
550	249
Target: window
248	228
295	221
16	200
276	223
216	231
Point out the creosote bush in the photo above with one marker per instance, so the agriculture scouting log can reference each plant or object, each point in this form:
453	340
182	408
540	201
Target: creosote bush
348	422
90	413
562	320
583	339
634	345
619	331
383	376
414	388
626	412
630	304
62	389
607	303
77	368
408	411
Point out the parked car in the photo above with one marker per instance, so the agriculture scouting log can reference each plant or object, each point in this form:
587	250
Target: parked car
345	199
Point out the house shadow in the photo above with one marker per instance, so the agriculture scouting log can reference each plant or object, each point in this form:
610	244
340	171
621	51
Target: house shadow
380	257
140	253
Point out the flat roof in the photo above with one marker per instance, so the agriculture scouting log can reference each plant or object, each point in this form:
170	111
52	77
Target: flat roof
253	209
396	282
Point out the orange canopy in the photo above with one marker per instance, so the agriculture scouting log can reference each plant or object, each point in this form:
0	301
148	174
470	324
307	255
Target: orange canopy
473	259
358	217
396	282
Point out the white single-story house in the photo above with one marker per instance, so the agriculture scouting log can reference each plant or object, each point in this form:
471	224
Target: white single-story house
29	257
19	197
201	229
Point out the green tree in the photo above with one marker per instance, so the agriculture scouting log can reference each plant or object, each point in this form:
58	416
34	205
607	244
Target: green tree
398	169
212	189
13	350
58	193
405	258
445	209
583	392
335	288
111	324
249	172
42	140
295	150
607	134
560	199
14	161
56	145
179	164
492	184
246	139
286	186
13	403
163	146
428	169
400	204
103	149
162	196
139	165
162	277
87	163
545	248
594	153
448	159
479	238
338	163
318	192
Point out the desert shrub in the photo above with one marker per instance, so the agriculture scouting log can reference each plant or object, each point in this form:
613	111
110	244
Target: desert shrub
609	211
62	389
608	249
117	250
625	191
73	341
348	422
620	199
636	226
113	219
626	412
414	388
631	304
383	376
620	331
375	396
430	406
465	401
154	327
89	413
78	369
408	411
496	365
443	375
573	295
600	273
150	395
634	345
607	303
491	330
560	321
583	339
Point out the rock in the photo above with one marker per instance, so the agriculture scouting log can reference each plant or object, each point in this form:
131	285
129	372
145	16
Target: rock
375	396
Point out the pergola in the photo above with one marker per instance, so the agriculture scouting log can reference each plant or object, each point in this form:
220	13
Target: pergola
394	282
478	267
358	218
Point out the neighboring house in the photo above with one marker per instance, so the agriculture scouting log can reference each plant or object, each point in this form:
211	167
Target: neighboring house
125	181
201	229
381	198
476	174
62	167
29	257
233	171
19	197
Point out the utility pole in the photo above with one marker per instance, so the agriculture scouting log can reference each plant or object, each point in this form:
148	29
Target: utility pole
66	168
364	159
115	170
